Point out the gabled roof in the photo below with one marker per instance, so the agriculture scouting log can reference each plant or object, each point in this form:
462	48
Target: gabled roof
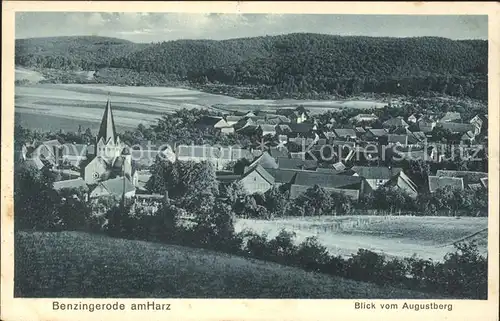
283	128
468	136
400	180
458	127
394	138
360	130
74	149
436	182
233	118
339	166
262	172
52	142
265	160
484	182
297	163
267	128
451	116
107	130
468	176
475	187
375	172
397	121
115	185
301	127
210	121
71	183
369	116
283	176
345	132
327	180
378	132
297	190
278	152
328	170
419	136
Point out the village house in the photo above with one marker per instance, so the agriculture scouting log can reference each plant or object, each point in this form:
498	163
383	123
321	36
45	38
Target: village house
267	129
345	134
477	121
458	128
297	163
232	119
351	186
283	178
378	135
118	187
360	132
145	155
71	154
256	180
219	157
283	129
426	124
451	117
265	160
297	115
414	153
245	123
364	118
77	183
213	122
439	182
469	177
377	177
395	139
301	130
414	118
395	122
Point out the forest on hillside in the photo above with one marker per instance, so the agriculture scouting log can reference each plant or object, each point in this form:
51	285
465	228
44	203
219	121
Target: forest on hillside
293	65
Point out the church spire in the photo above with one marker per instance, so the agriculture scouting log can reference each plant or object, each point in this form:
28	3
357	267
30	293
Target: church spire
107	129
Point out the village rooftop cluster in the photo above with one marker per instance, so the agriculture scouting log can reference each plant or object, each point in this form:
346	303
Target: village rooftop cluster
294	152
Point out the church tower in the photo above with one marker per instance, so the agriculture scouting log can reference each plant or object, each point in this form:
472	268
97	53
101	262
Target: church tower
108	144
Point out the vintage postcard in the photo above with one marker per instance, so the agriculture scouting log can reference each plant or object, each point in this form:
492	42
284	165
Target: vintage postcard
250	161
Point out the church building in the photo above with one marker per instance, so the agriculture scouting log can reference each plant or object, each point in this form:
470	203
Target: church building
111	157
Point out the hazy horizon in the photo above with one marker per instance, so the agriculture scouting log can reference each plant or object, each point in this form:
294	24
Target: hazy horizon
157	27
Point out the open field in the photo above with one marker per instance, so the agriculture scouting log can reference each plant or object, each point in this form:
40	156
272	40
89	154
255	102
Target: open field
28	74
397	236
84	103
75	264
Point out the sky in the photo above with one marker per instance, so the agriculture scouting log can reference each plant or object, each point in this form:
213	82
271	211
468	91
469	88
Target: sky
155	27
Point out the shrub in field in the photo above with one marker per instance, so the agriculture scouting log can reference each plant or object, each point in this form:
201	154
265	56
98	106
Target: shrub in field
311	255
463	273
393	272
365	265
282	247
256	244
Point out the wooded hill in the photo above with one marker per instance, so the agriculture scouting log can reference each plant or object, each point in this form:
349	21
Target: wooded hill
283	65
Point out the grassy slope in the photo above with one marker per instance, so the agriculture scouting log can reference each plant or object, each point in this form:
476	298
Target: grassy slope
73	264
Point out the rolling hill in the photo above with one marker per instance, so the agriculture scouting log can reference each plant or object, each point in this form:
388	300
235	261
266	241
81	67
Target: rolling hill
75	264
285	65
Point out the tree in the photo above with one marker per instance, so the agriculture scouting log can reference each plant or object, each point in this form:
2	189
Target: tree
36	204
315	201
276	201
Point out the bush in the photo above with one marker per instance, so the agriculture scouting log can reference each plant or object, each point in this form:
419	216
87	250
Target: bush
311	255
282	247
257	245
463	273
365	265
